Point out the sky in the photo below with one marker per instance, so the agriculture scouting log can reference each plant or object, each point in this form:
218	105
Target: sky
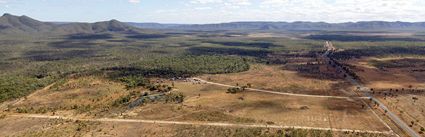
217	11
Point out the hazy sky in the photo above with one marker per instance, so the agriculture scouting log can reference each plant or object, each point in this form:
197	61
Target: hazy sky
214	11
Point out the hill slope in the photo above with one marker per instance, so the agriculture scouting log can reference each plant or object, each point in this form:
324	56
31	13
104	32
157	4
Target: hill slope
10	24
23	24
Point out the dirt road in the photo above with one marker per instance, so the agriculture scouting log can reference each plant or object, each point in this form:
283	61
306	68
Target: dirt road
275	92
219	124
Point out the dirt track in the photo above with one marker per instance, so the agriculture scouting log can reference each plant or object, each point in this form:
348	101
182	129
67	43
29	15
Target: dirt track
275	92
195	123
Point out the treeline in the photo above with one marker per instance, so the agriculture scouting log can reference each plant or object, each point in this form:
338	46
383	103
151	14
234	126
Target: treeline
260	53
133	75
18	86
377	51
342	37
399	63
182	66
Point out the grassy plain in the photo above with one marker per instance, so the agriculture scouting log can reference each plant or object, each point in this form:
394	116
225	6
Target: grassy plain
80	77
45	127
277	78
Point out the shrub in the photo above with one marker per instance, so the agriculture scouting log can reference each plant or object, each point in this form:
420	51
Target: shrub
134	81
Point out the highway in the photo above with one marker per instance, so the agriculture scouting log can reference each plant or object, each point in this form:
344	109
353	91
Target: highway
365	92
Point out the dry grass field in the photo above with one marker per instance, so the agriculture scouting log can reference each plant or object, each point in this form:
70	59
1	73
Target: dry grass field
276	78
399	83
210	103
27	127
85	96
411	111
391	72
91	97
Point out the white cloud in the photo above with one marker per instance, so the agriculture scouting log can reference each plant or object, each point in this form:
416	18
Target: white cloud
227	3
215	11
344	10
206	1
274	2
134	1
3	1
203	8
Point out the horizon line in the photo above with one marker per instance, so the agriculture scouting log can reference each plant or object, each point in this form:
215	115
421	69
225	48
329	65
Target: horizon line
224	22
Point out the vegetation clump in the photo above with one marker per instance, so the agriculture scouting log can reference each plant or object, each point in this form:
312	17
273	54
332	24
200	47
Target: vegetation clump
234	90
18	86
134	81
176	97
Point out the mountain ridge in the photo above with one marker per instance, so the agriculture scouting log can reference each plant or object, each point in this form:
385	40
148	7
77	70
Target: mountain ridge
24	24
299	25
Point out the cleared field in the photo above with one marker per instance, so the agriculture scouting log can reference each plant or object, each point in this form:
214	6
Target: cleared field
391	72
398	81
408	109
210	103
93	97
276	78
11	126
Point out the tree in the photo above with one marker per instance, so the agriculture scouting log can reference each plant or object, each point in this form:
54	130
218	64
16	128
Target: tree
414	99
244	87
249	85
234	90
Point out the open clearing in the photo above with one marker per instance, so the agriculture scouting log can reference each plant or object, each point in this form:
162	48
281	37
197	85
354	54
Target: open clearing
203	103
408	109
398	82
386	73
276	78
12	126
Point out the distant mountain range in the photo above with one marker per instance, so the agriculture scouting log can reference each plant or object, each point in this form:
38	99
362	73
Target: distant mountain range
23	24
293	26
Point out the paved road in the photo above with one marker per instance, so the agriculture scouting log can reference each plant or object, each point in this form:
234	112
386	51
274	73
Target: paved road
275	92
365	91
219	124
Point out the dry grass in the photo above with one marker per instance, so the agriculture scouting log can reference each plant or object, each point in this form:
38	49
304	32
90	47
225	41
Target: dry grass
204	102
408	109
401	82
210	103
277	79
51	128
88	95
389	77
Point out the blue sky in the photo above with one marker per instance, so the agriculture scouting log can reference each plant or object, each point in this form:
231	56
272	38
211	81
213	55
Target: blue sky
215	11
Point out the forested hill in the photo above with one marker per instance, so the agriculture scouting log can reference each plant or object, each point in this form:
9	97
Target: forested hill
349	26
23	24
